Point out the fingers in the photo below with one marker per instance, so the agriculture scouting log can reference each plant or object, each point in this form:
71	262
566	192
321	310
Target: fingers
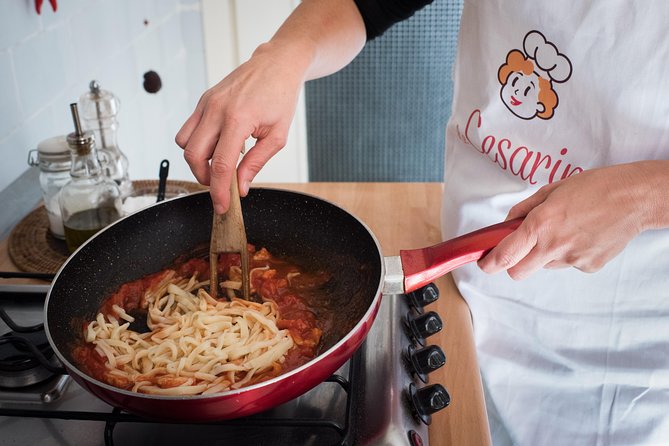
556	264
204	145
510	251
256	158
521	255
189	126
212	145
531	263
524	207
531	248
225	159
223	163
229	113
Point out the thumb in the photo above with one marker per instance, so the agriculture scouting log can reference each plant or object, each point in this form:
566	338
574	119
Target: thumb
256	158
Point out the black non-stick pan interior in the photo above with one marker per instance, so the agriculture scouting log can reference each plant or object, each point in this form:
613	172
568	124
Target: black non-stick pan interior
306	230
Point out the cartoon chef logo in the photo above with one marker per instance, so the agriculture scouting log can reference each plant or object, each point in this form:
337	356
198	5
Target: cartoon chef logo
528	77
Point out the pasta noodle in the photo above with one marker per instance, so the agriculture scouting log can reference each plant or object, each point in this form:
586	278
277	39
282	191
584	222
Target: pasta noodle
196	344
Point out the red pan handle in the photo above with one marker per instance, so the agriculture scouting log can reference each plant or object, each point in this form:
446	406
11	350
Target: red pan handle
422	266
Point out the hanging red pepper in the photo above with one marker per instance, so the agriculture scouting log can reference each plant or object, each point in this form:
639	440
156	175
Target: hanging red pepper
38	5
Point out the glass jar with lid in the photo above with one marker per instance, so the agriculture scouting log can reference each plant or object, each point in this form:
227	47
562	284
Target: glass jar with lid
90	200
99	109
52	156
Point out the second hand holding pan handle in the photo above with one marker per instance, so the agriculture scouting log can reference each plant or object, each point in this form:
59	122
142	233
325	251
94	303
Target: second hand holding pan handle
422	266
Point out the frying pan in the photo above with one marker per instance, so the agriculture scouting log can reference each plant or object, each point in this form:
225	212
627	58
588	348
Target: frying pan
306	230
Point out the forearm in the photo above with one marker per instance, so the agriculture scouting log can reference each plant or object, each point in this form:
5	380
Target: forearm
653	192
319	38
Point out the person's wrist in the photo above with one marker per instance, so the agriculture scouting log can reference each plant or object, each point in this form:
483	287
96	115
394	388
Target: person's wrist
654	178
294	56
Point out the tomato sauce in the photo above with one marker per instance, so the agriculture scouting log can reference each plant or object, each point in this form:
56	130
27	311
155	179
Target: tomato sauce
272	279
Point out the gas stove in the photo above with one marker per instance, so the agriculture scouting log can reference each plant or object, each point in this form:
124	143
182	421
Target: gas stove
382	396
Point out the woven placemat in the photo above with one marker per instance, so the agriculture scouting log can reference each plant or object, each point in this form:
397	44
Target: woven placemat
33	249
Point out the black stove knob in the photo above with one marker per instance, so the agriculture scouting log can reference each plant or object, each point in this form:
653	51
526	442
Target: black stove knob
426	360
424	325
428	400
423	296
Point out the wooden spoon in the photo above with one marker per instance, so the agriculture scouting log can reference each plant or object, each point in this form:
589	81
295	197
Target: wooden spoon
229	235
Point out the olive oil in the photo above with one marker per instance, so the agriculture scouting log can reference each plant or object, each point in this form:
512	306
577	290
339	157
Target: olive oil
83	225
90	200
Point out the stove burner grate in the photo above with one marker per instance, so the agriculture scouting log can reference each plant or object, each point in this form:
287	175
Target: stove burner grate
26	358
333	430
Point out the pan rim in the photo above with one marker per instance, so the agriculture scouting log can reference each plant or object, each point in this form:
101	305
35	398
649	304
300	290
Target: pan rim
367	317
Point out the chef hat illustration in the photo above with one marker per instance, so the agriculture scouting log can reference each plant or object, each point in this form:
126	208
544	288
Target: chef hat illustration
549	62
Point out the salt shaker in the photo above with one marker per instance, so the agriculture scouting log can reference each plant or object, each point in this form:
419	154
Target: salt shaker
90	200
52	156
99	109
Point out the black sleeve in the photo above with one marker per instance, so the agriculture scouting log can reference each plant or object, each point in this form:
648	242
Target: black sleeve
379	15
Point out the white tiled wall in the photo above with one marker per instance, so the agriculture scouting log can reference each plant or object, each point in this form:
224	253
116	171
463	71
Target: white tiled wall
47	61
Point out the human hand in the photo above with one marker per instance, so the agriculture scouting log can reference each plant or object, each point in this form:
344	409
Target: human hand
257	100
582	221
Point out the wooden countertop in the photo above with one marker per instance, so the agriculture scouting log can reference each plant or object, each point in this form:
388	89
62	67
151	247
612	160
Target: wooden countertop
404	216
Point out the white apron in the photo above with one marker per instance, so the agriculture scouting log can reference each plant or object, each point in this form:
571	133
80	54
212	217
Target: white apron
567	358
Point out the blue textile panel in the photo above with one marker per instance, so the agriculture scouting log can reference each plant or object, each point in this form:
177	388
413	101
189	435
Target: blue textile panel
383	117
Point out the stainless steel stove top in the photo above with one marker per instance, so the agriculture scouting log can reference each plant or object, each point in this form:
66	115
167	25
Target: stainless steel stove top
377	398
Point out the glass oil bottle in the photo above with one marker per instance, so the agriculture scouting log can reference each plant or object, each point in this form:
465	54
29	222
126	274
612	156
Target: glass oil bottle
90	200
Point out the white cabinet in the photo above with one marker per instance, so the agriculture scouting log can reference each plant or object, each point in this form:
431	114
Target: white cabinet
232	30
